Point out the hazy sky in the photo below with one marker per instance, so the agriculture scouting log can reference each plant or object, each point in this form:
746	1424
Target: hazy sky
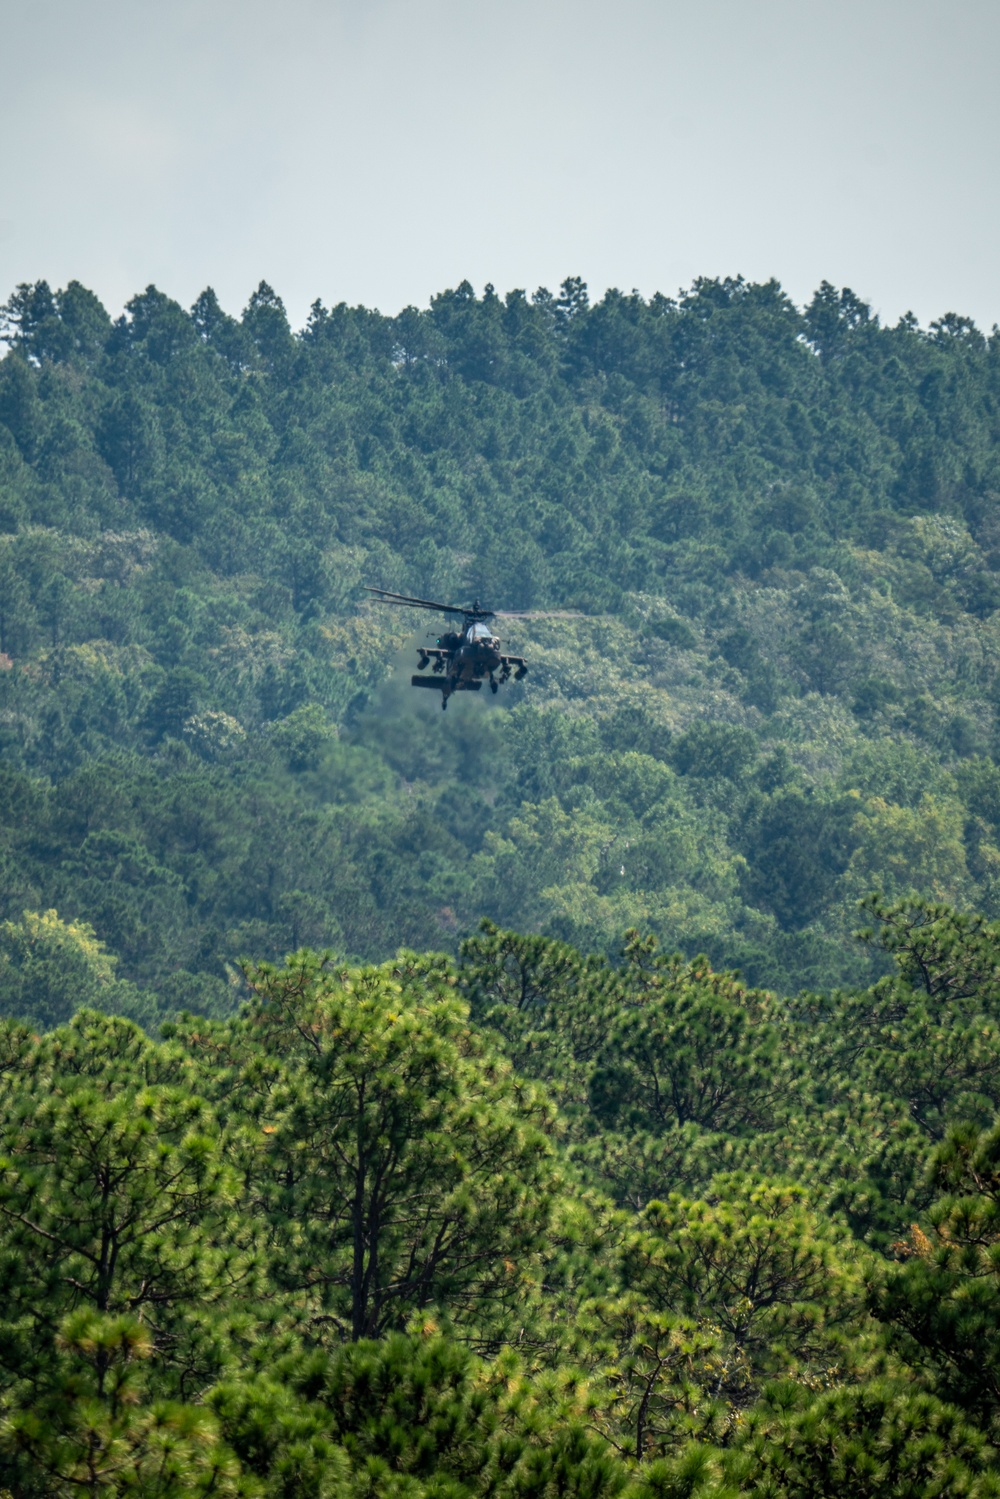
378	151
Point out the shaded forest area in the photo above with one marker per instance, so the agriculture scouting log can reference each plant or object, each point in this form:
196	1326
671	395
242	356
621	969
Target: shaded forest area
782	529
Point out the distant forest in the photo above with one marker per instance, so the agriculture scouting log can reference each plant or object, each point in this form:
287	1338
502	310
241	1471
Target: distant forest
782	530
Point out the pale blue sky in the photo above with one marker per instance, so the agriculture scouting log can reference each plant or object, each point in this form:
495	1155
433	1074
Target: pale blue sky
378	151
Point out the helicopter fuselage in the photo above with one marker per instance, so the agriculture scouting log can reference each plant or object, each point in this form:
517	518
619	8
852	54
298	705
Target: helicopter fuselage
477	654
465	659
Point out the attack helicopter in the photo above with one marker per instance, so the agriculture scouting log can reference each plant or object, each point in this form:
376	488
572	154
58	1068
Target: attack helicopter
465	657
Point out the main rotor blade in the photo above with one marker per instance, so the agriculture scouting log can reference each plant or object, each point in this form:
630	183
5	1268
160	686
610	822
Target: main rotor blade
401	598
539	614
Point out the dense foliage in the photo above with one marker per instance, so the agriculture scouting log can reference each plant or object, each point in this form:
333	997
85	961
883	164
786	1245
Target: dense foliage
503	1221
780	525
525	1225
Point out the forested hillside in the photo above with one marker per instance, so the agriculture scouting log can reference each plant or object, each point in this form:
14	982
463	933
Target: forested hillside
782	530
502	1104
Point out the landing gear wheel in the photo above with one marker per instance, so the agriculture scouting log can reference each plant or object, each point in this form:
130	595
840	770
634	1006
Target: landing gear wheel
494	686
444	701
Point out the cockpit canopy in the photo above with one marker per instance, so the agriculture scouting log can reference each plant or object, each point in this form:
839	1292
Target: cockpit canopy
479	633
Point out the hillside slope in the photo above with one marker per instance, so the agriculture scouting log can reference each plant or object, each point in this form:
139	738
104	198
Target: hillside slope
781	526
